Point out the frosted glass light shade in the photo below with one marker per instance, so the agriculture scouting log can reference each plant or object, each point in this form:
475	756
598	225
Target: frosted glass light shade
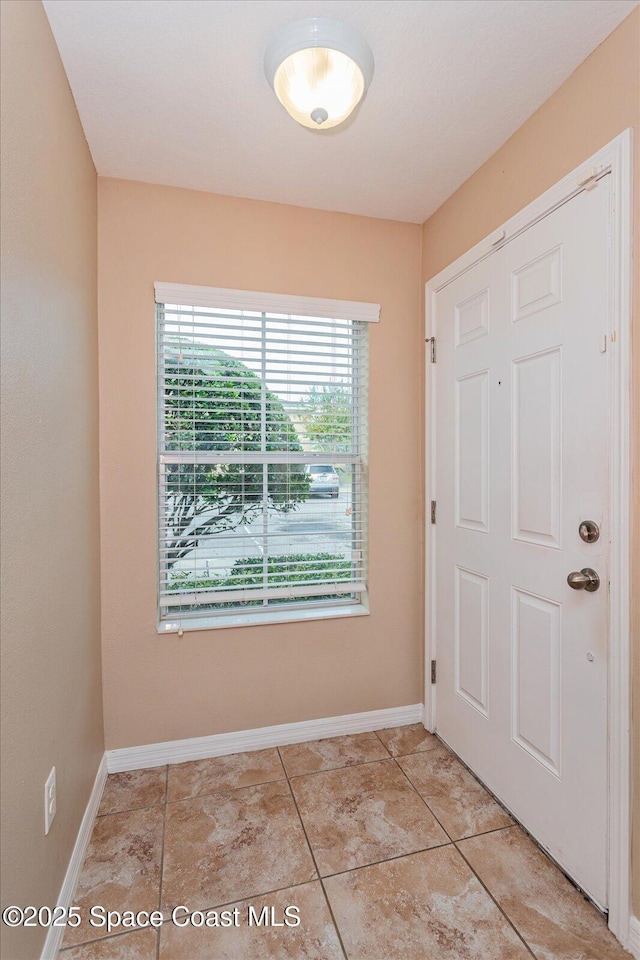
318	79
319	70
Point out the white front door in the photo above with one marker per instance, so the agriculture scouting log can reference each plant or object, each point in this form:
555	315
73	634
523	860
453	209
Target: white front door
522	413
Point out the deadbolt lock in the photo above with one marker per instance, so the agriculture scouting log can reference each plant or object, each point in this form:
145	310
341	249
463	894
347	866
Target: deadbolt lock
589	531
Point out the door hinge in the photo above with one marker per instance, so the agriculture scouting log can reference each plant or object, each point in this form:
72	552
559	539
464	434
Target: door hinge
433	671
432	341
433	511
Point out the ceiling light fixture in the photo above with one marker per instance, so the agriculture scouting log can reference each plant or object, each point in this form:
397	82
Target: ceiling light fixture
319	70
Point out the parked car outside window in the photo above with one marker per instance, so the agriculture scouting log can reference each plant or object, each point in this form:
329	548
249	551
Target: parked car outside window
324	480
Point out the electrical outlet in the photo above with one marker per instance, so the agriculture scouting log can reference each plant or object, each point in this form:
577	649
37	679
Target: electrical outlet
49	800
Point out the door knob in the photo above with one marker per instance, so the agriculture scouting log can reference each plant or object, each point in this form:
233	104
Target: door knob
585	579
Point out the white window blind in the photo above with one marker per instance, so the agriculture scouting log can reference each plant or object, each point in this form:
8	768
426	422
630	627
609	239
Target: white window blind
262	441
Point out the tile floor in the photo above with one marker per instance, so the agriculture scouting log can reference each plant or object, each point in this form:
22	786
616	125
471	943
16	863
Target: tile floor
385	843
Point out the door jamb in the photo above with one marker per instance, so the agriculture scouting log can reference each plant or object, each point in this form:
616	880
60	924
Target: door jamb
616	159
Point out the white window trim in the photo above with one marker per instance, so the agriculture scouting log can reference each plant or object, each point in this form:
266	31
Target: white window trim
225	299
297	615
219	298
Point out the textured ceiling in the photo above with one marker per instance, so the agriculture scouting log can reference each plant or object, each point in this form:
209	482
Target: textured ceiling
174	93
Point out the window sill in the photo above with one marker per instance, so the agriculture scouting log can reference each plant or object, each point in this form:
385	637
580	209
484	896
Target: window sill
258	619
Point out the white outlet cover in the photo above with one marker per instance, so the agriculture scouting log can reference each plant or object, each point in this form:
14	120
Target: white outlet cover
50	801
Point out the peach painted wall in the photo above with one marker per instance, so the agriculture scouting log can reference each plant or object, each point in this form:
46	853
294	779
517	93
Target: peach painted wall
160	688
51	692
598	101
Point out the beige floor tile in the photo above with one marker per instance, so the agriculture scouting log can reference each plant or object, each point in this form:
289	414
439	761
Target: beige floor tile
357	815
121	870
217	774
553	917
133	789
230	846
314	939
301	758
138	945
428	906
460	803
413	738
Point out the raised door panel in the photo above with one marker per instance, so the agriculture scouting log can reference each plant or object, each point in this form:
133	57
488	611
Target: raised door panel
472	637
537	285
536	449
472	451
472	318
536	686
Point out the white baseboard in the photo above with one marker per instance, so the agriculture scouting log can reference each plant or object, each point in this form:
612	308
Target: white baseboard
634	937
199	748
55	934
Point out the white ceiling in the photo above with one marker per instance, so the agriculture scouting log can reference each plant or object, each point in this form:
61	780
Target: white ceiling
173	92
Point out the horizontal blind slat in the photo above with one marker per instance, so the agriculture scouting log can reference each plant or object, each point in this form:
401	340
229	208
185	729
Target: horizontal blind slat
236	596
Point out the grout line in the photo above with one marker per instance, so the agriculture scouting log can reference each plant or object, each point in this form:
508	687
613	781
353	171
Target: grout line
480	833
479	782
382	742
385	747
282	763
332	915
322	887
113	813
252	896
164	834
475	776
304	829
397	856
226	790
346	766
413	786
488	891
485	833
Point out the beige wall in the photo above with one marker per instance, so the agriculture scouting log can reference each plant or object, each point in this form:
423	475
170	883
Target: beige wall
51	692
596	103
160	688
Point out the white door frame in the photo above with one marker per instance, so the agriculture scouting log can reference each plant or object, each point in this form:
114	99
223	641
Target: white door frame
614	159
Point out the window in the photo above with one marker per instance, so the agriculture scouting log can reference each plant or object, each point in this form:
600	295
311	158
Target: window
262	442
